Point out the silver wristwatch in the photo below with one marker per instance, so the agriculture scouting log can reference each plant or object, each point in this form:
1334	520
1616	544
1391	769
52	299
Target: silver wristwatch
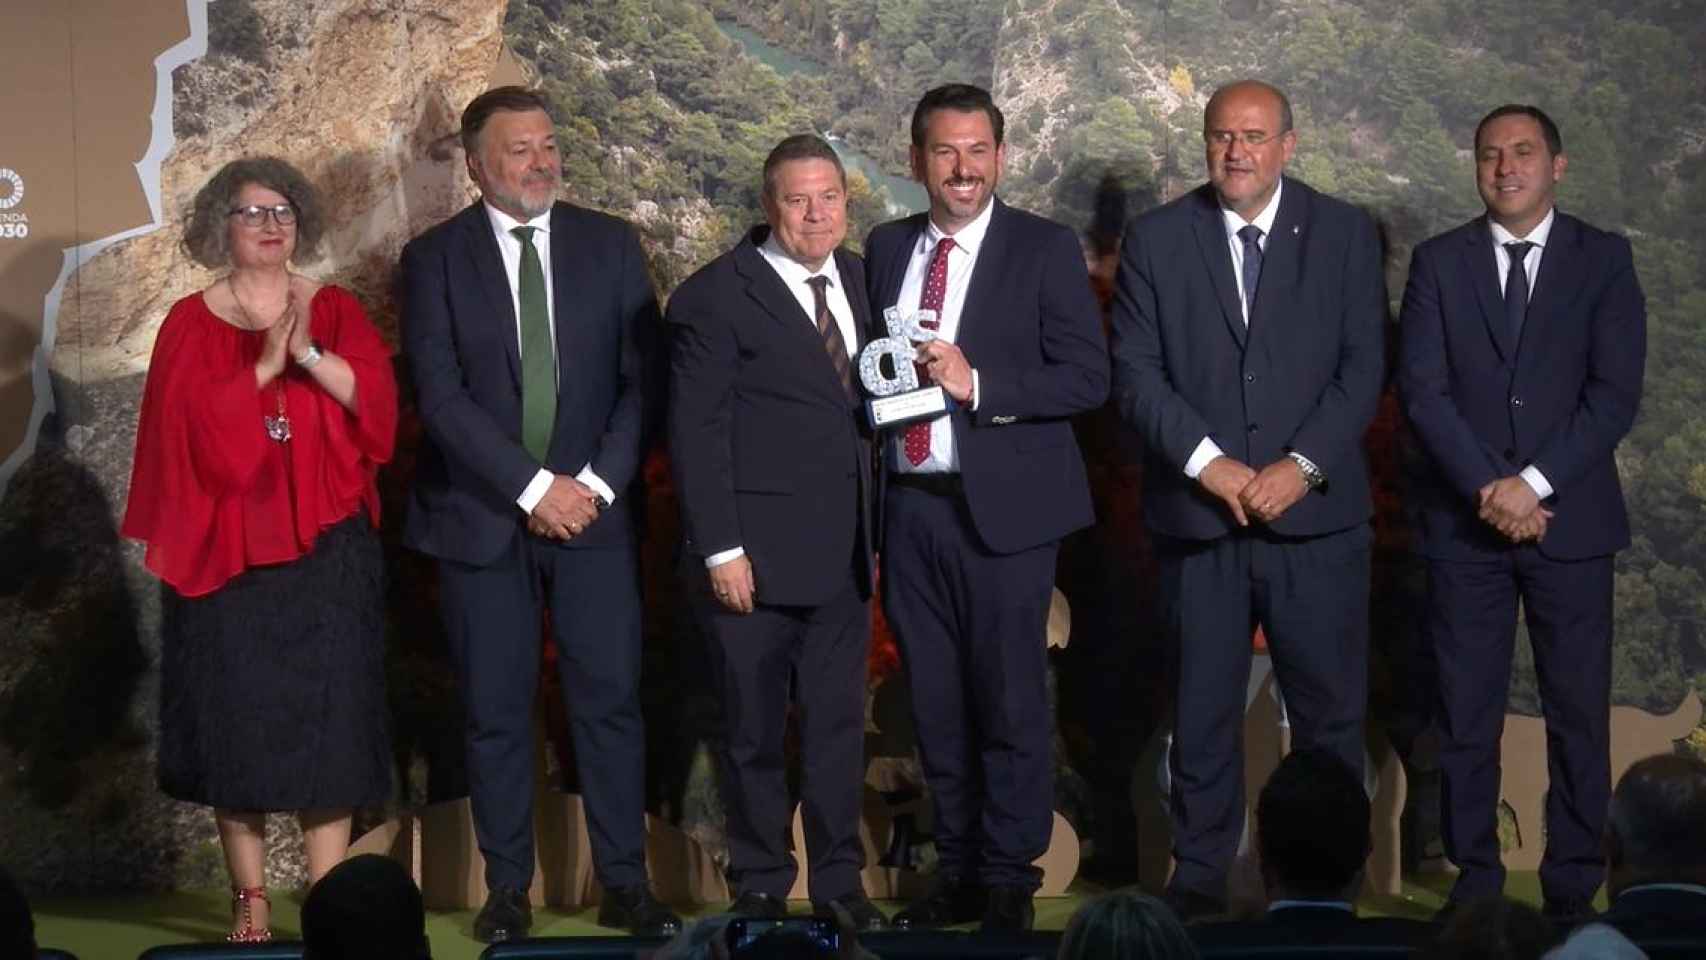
307	358
1312	475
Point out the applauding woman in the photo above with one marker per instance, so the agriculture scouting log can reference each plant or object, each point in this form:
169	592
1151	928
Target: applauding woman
269	406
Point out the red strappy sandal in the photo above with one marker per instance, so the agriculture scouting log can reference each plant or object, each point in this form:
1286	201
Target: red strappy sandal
240	901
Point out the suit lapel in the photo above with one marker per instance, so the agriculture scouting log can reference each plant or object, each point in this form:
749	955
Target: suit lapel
986	275
1483	270
1210	229
852	277
1556	284
573	275
894	270
488	264
797	330
1281	257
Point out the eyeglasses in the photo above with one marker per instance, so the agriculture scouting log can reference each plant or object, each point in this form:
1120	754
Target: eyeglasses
1250	138
282	214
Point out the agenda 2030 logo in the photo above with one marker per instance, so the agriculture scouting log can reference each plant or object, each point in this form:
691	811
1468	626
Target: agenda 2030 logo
14	225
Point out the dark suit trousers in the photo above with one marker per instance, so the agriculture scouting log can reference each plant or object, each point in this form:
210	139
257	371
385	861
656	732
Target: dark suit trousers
492	615
972	626
819	653
1472	619
1311	598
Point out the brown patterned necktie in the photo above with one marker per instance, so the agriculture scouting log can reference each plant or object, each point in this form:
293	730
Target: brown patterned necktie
833	343
916	440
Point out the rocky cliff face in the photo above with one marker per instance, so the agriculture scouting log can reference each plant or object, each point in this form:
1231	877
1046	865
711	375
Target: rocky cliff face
364	96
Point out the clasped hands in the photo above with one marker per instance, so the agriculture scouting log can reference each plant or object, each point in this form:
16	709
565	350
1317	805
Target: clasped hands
566	510
1263	495
1512	507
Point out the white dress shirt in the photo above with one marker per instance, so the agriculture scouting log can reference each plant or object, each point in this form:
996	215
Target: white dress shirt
1531	269
795	277
509	248
962	260
1207	449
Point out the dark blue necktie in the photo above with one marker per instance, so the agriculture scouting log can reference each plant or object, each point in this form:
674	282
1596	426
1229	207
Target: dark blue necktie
1516	287
1252	237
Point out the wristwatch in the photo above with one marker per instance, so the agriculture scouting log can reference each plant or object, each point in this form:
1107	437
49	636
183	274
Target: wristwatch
307	358
1312	475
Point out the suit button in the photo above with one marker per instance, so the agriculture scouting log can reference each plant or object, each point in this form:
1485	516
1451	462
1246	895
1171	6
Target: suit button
1510	454
1254	427
1249	378
1516	401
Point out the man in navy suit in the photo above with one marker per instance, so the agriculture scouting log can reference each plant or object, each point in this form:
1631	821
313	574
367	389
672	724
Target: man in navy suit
979	498
1524	342
528	325
1655	849
773	466
1249	319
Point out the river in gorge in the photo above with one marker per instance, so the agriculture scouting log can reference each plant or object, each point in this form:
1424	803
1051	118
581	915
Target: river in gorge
904	194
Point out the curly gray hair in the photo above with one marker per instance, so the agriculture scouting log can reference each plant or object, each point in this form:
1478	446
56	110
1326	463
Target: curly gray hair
207	233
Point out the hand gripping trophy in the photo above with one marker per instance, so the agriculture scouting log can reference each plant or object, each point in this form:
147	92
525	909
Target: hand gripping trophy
896	397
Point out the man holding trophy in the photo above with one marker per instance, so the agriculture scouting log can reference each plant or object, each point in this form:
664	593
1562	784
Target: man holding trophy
981	487
772	463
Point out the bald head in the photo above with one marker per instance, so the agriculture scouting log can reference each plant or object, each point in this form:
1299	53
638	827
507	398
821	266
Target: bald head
1655	830
1251	88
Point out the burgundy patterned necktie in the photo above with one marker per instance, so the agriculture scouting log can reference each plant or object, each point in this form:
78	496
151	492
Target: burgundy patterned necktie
916	440
833	343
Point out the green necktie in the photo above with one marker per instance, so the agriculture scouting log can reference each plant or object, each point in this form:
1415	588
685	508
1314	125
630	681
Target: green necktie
538	363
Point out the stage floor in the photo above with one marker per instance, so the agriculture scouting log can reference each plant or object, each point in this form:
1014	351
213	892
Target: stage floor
119	928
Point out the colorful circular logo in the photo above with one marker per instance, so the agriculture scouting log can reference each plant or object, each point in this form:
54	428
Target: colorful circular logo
14	196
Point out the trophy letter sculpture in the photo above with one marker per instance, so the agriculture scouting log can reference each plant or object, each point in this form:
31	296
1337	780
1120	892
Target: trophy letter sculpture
896	398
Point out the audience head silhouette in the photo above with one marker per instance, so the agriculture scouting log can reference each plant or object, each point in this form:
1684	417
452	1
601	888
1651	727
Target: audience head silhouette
1312	828
1125	925
1655	831
17	928
1495	929
365	908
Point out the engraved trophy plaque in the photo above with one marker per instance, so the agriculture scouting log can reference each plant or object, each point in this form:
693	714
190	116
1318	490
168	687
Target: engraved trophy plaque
897	398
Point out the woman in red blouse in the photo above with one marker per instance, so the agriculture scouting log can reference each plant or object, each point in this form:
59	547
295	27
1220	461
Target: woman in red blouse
269	406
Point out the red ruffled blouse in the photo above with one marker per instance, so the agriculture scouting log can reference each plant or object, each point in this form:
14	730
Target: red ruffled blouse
210	492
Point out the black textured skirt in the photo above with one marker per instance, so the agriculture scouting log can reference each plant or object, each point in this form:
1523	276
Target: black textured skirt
272	688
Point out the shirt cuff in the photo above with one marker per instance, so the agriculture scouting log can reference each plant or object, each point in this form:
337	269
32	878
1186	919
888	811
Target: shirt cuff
976	394
1206	450
724	556
1534	478
534	492
597	484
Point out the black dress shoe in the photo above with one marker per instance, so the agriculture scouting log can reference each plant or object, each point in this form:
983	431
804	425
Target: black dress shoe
1009	909
759	906
949	901
635	909
506	916
860	910
1189	905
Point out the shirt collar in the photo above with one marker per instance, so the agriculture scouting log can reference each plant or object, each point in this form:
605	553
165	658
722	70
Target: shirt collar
793	271
1264	221
970	236
1537	236
503	223
1308	904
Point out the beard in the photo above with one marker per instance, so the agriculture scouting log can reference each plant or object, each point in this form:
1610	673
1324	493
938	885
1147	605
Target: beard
531	201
